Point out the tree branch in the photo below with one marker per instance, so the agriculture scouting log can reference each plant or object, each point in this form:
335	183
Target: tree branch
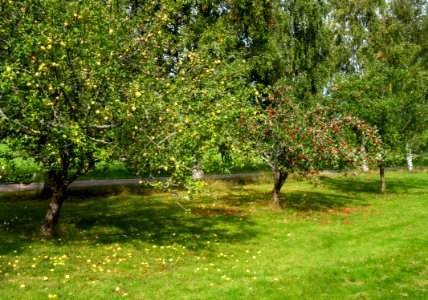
99	141
167	137
26	129
266	159
100	126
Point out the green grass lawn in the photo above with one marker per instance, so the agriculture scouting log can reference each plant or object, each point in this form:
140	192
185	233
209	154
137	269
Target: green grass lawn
342	240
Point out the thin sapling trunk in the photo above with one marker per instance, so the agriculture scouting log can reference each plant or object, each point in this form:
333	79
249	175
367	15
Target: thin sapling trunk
382	177
409	158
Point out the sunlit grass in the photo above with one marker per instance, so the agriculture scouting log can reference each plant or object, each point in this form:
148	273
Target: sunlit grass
342	240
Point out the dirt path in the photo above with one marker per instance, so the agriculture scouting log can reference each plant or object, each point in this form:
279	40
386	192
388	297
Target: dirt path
86	183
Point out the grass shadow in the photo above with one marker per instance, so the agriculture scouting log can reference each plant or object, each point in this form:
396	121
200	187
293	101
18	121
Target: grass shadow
306	199
158	222
76	194
364	185
120	215
318	201
351	185
20	223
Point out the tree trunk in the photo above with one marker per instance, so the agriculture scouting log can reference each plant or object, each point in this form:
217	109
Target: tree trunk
197	172
382	177
409	158
46	192
365	168
279	177
50	226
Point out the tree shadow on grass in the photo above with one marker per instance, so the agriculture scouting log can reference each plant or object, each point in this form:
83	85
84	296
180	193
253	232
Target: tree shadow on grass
160	223
121	215
22	212
360	185
82	193
318	201
21	215
351	185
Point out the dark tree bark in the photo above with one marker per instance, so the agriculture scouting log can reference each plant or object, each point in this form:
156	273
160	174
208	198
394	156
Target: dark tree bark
382	177
279	178
46	192
59	181
50	226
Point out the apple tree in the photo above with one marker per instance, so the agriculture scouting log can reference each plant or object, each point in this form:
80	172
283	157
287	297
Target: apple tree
66	86
202	76
292	138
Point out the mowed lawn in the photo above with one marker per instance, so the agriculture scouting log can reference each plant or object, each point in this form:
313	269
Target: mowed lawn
340	240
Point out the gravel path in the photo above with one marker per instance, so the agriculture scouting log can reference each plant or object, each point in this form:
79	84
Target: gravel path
83	183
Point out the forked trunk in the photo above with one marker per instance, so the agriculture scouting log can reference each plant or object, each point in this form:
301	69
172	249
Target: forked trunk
58	180
279	177
382	177
50	226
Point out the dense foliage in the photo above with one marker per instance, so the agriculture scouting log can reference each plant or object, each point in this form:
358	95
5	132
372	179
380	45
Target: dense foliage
293	139
65	90
166	85
385	80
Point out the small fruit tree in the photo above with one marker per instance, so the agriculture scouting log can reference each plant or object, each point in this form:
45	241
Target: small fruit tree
65	85
291	139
